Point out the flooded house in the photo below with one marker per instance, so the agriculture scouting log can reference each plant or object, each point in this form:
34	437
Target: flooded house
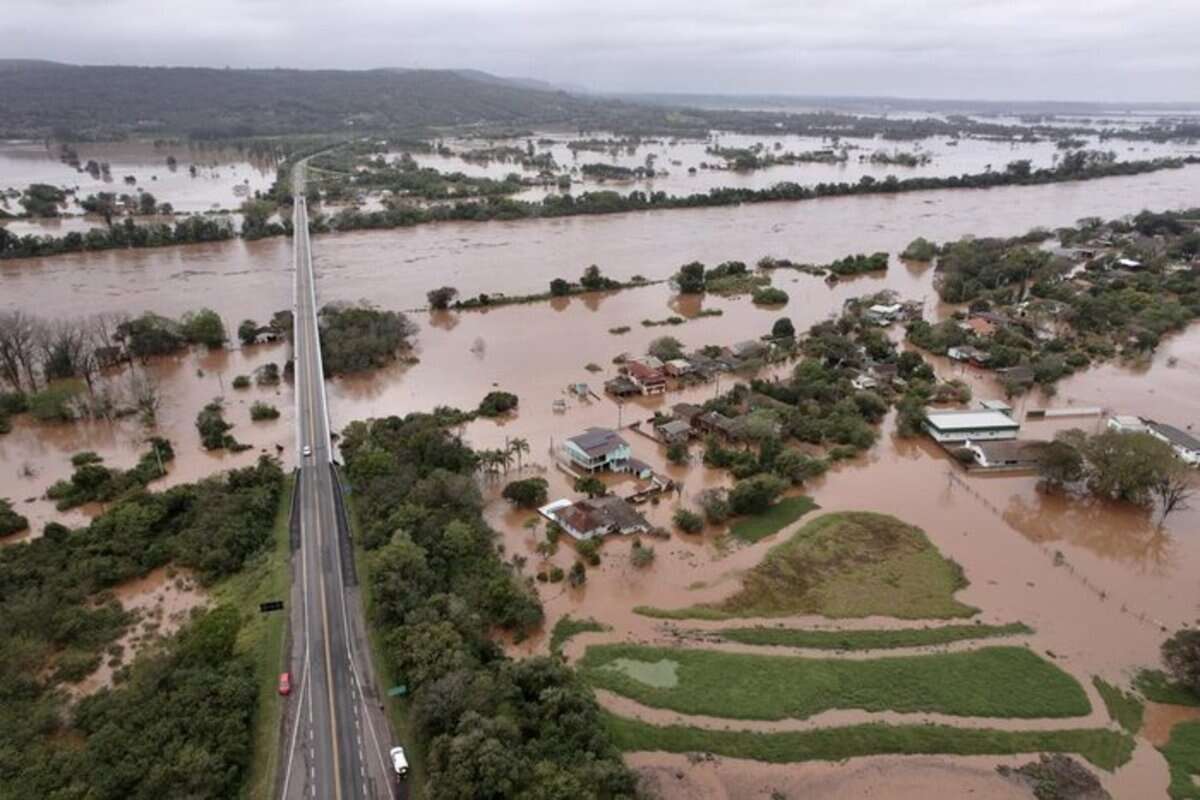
674	431
1186	446
718	423
595	517
597	450
649	380
969	354
981	424
1012	454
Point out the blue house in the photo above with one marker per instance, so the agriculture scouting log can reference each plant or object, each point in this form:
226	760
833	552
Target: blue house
598	450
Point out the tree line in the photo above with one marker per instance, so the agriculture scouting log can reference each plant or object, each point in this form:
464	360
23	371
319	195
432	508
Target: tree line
178	720
489	726
195	228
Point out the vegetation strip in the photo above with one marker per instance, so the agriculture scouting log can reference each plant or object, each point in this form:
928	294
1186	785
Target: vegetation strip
1183	758
773	520
989	682
568	626
1106	749
846	564
868	639
1125	708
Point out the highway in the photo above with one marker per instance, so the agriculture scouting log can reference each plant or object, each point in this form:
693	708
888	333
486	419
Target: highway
335	737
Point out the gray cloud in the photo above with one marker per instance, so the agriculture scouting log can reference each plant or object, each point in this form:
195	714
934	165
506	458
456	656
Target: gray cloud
1018	49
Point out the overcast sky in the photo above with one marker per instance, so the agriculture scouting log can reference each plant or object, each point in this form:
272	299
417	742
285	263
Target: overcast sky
986	49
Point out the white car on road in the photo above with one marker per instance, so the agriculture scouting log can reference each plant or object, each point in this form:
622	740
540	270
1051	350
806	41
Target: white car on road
307	451
399	762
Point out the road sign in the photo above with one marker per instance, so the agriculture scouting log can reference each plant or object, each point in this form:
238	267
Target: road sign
270	605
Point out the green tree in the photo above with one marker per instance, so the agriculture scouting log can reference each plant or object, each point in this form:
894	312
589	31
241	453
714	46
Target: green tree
1059	463
687	520
1181	654
690	278
783	329
591	486
560	287
247	331
441	298
527	493
10	521
204	327
755	495
666	348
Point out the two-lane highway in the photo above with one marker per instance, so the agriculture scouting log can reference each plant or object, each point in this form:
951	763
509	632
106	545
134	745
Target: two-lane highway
335	744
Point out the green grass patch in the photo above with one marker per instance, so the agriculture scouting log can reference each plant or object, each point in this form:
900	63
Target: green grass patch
869	639
265	577
568	626
1183	758
989	682
1156	686
848	564
1125	708
397	708
773	520
1107	749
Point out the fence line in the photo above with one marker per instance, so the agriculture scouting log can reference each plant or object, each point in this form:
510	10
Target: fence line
1056	556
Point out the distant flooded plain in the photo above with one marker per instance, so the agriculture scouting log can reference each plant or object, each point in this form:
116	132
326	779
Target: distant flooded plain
1098	582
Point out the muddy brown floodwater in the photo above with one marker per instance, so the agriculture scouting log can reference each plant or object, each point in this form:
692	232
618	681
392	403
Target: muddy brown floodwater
1099	583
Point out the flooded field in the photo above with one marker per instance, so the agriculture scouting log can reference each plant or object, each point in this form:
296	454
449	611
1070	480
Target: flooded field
35	455
1065	567
689	167
201	179
162	602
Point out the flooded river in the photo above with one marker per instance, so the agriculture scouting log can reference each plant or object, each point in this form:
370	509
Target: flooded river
1067	568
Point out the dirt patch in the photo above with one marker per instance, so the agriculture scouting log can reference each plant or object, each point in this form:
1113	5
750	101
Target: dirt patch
1160	718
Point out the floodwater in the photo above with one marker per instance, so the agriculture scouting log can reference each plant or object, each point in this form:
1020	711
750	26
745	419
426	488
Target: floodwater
395	268
162	600
224	177
1066	568
677	157
35	455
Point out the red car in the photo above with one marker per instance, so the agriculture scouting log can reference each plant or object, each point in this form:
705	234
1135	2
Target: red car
285	683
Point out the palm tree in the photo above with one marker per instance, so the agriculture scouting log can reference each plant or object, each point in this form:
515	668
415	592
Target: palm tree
518	446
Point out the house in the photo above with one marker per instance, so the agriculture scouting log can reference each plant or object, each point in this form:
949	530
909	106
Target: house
675	431
1010	454
750	348
883	313
621	386
1122	423
648	361
1186	446
980	327
686	412
973	425
649	380
596	450
885	372
678	367
593	517
718	423
970	354
862	382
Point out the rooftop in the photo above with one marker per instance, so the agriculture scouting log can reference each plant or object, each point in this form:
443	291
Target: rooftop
1176	436
974	419
598	441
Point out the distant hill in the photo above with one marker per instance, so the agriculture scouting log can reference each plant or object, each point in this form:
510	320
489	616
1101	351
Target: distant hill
39	98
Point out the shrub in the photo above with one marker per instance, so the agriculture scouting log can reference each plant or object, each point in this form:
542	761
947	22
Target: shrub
715	503
688	521
214	430
769	296
556	574
755	495
55	403
1181	654
527	493
267	374
783	329
677	453
496	403
241	382
263	411
578	574
440	299
247	331
589	550
641	555
665	348
10	521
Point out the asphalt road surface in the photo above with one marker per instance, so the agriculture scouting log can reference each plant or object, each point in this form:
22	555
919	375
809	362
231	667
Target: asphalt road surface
335	737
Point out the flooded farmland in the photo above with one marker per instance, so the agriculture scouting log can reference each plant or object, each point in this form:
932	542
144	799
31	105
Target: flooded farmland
1065	567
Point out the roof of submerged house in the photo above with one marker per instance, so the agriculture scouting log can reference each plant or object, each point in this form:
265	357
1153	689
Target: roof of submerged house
598	441
974	419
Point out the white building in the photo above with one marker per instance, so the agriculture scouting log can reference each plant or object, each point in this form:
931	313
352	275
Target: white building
974	425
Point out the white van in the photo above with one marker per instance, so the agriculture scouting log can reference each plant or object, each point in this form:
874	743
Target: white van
399	762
